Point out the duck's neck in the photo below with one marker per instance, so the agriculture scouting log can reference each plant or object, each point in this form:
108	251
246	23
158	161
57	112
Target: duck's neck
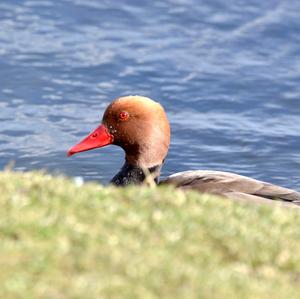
130	174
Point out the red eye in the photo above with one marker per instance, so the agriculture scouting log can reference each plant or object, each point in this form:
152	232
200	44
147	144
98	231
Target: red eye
123	115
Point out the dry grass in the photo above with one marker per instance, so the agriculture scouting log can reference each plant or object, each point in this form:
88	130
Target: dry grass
59	240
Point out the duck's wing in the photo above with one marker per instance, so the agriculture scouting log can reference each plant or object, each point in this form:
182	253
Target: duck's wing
233	186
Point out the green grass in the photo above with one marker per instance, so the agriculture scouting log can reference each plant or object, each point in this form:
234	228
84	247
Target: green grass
59	240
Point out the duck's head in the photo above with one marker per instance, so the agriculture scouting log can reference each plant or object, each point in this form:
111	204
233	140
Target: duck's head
137	124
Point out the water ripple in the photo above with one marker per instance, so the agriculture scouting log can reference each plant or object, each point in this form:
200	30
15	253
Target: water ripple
227	72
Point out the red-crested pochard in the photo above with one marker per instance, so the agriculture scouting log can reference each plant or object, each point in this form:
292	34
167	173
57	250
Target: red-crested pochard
140	126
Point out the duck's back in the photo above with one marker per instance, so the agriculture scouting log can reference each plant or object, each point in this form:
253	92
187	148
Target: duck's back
233	186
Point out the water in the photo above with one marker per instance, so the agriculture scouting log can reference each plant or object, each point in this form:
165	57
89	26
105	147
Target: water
227	72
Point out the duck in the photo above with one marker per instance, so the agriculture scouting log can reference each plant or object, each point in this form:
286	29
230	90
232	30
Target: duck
139	125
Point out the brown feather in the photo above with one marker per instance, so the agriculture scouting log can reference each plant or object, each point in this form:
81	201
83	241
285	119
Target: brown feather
233	186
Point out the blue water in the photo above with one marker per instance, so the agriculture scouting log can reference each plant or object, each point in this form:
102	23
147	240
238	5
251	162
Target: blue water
227	72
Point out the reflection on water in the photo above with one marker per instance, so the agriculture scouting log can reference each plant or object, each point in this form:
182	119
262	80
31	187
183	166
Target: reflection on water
227	73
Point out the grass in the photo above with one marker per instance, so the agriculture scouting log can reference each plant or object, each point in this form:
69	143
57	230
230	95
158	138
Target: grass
59	240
